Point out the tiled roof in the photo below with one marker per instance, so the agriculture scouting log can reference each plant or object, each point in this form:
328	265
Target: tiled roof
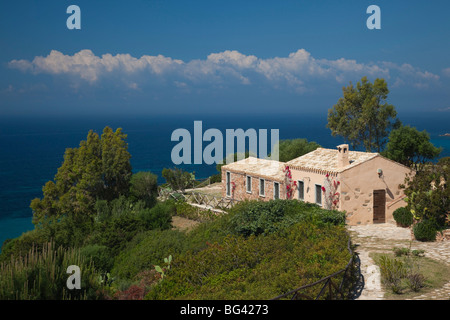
269	169
327	160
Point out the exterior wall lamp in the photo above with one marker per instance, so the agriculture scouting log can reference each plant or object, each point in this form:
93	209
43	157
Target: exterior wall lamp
380	173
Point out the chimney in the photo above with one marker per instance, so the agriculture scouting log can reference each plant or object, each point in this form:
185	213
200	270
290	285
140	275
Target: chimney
342	158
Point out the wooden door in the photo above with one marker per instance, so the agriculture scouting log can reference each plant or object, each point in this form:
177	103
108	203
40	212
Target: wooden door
379	206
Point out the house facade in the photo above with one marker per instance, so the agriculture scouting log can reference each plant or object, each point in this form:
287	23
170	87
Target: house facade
365	185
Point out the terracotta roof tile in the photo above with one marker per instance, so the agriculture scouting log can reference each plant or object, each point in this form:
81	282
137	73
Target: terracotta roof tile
326	160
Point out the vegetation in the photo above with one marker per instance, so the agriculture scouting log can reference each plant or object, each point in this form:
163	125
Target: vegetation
291	149
98	215
41	274
408	273
428	198
362	115
99	169
144	187
410	147
255	267
403	217
425	230
178	179
109	222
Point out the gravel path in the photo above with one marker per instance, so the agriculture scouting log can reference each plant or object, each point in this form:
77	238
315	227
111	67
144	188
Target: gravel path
382	238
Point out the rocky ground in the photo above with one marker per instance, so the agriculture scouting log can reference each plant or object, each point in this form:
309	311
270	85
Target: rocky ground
382	238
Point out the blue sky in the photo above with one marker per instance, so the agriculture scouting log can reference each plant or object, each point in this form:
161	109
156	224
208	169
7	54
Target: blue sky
149	57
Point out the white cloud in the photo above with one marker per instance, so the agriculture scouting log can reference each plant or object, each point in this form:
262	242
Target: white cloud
298	71
446	72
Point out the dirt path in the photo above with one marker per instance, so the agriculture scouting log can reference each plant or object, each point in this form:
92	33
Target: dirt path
382	238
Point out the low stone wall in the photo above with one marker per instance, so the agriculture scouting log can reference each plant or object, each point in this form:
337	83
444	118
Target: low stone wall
444	236
440	236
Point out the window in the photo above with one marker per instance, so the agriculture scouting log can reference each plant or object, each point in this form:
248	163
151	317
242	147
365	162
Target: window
318	194
261	187
228	184
249	184
301	190
276	190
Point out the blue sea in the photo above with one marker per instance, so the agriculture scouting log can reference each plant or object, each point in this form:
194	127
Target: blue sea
32	148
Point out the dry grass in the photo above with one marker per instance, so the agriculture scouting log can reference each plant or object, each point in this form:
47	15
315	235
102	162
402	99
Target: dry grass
436	275
183	224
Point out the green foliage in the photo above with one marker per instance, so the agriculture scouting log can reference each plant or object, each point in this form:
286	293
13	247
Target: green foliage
428	192
158	217
256	267
291	149
362	115
99	169
184	209
425	230
116	232
403	217
163	271
144	187
401	272
258	217
148	249
410	147
178	179
100	255
41	275
392	272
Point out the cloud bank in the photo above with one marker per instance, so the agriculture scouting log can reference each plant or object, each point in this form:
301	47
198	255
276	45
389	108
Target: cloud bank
298	72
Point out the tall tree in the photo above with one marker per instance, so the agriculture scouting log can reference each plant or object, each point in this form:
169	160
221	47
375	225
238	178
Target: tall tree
99	169
291	149
363	116
144	186
410	147
428	192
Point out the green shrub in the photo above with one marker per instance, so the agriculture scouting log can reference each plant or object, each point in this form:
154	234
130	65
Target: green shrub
425	230
42	274
144	187
398	252
158	217
258	217
392	272
115	233
148	249
184	209
256	267
100	255
403	217
215	178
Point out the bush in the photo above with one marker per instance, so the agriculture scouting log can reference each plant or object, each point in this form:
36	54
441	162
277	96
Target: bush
43	275
257	217
115	233
392	272
256	267
184	209
425	230
100	255
148	249
144	187
403	217
158	217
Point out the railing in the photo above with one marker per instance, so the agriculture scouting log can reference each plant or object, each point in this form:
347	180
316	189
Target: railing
208	201
334	292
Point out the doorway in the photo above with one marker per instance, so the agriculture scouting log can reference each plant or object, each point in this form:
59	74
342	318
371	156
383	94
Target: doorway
379	206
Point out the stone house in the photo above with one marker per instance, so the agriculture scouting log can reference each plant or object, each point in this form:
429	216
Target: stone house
365	185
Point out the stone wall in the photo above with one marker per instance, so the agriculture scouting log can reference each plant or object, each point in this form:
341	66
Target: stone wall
240	191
